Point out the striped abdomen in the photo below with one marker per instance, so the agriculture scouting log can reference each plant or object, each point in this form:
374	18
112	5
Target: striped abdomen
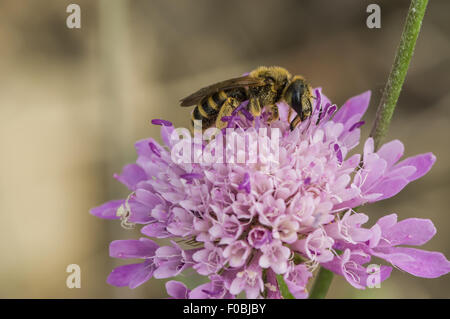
208	108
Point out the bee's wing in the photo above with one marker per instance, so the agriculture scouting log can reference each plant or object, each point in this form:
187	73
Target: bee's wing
242	81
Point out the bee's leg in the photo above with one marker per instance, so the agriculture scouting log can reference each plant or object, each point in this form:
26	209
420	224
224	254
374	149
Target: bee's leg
296	121
254	107
274	113
226	109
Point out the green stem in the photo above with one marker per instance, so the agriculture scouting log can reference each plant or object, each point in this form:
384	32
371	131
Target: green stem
398	72
321	284
284	290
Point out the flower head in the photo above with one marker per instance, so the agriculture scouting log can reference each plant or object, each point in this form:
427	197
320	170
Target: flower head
242	221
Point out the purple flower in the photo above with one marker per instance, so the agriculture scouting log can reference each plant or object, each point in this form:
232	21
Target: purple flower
271	285
208	260
227	230
215	289
177	290
237	253
245	185
172	260
269	209
232	220
181	223
382	177
413	232
107	210
133	275
275	255
350	265
258	236
285	228
316	246
296	280
348	228
248	280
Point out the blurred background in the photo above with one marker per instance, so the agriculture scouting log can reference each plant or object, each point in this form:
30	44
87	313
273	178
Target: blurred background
74	101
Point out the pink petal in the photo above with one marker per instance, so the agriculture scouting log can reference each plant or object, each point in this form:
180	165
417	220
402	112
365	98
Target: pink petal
389	187
168	269
199	291
142	248
360	234
177	289
157	230
355	105
142	147
362	276
323	97
166	132
297	281
131	175
376	236
387	221
374	170
139	213
132	275
411	231
422	163
368	147
391	152
351	139
107	210
283	111
147	198
421	263
404	171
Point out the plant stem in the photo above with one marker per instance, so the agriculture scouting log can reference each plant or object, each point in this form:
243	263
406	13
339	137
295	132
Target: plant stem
284	290
399	68
321	284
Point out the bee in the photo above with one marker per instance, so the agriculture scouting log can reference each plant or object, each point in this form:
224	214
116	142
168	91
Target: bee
263	87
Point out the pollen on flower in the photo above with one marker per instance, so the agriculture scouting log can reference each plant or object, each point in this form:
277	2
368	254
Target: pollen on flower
240	224
270	287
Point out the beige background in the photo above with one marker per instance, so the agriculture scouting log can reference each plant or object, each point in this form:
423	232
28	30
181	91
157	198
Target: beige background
72	103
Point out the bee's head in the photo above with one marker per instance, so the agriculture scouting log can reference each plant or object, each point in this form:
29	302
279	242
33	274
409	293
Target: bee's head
298	96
